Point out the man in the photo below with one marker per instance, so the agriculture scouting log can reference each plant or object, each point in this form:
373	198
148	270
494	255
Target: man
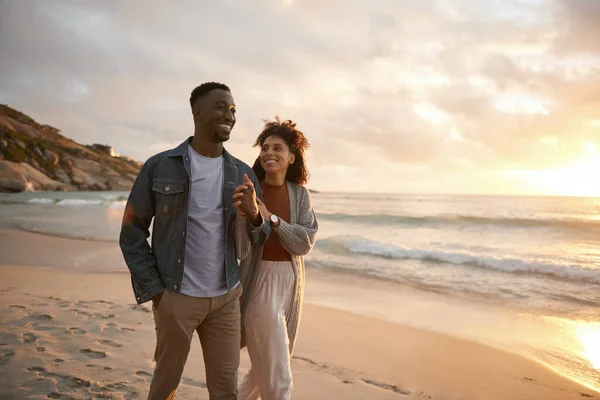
190	271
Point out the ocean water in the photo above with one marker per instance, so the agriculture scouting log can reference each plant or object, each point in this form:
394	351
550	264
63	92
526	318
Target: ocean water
538	257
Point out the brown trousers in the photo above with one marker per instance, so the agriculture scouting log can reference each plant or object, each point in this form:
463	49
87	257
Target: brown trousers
217	321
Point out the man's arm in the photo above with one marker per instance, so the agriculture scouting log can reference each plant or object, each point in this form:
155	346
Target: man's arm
138	255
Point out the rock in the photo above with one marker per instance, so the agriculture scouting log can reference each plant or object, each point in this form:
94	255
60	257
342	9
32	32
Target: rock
50	129
118	183
17	177
52	158
62	176
11	179
37	151
33	163
69	164
54	162
87	174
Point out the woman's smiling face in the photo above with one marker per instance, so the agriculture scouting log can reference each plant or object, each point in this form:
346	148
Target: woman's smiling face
275	155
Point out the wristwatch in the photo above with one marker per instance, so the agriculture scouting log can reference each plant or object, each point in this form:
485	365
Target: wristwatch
274	220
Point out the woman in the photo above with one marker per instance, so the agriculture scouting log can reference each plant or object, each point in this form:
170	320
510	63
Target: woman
273	275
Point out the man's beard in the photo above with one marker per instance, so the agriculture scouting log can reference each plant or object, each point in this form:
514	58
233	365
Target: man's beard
217	138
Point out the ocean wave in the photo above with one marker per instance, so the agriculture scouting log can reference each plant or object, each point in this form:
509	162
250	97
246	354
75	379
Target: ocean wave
457	219
548	268
42	200
109	201
79	202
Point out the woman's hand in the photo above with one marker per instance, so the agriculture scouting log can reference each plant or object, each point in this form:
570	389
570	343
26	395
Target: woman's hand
266	214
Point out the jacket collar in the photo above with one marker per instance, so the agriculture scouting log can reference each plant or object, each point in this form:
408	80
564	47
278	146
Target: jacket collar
182	150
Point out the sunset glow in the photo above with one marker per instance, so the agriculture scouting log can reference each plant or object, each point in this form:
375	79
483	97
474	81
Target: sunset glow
582	178
462	97
590	339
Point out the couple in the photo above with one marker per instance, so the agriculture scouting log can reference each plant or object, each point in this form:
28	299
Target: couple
211	209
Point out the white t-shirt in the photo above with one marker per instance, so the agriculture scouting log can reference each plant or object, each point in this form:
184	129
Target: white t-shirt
204	268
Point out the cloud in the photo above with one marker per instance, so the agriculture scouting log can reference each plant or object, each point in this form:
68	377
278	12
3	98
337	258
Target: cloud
431	88
579	19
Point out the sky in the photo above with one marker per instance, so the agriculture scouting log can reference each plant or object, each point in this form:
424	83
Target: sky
397	96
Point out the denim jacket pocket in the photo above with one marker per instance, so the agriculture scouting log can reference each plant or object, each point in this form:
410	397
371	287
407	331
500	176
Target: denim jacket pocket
166	194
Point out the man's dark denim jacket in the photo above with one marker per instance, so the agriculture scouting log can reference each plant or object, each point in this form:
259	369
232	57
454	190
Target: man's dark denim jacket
161	191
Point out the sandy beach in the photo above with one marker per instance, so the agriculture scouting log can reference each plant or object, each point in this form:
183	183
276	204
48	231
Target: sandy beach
67	333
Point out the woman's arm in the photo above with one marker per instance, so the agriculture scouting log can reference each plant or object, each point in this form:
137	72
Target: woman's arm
298	239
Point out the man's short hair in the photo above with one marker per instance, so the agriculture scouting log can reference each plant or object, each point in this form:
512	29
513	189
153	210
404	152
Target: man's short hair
204	89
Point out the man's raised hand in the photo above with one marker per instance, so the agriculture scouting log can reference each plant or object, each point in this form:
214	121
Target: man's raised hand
244	199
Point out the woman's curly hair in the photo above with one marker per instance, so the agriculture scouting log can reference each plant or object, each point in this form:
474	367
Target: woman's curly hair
296	141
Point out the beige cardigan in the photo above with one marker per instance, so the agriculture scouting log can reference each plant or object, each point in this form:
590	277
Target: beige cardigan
298	238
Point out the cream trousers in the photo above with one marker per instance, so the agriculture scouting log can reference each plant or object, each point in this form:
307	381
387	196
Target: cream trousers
270	376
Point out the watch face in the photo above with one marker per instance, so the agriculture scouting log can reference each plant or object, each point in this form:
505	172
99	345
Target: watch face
274	218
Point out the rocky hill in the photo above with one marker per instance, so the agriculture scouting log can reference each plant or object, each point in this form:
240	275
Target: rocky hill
38	157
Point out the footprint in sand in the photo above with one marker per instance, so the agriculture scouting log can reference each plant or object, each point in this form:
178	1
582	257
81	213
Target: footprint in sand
99	367
83	303
76	331
128	392
83	388
387	386
86	302
40	317
61	396
115	327
104	316
41	349
17	306
340	372
6	356
421	396
109	343
71	380
143	374
192	382
141	308
111	326
29	337
84	313
93	353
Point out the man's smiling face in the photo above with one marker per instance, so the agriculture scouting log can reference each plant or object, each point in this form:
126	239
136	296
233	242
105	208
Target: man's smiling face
215	115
